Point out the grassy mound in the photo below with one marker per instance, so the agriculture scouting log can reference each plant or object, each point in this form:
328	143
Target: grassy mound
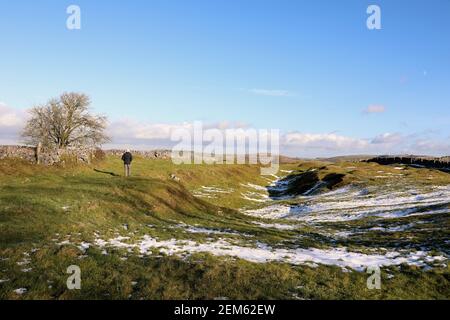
47	214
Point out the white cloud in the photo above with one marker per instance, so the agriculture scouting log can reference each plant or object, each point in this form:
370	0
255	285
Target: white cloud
388	138
323	141
375	109
11	123
139	135
10	117
132	129
271	93
330	144
142	135
428	146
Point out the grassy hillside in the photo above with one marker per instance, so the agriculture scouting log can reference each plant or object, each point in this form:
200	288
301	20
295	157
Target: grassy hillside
175	232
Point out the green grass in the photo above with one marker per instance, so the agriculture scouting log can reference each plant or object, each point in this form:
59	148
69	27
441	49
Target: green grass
41	207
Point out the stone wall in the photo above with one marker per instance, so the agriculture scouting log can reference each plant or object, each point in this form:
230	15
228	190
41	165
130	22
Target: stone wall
153	154
48	157
427	162
78	155
18	152
61	156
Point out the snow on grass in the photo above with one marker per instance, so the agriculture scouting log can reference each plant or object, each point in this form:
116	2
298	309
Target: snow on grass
262	253
349	204
394	228
278	226
255	196
216	190
344	234
254	186
204	230
24	262
211	192
276	211
316	187
84	246
20	291
192	229
203	195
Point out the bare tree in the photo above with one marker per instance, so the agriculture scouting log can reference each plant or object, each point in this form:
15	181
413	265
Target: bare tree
65	122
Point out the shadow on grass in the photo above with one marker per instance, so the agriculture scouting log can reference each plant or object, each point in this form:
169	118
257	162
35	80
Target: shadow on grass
107	172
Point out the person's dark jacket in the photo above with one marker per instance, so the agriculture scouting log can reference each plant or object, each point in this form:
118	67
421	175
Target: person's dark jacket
127	158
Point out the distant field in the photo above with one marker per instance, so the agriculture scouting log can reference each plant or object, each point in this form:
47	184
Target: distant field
223	231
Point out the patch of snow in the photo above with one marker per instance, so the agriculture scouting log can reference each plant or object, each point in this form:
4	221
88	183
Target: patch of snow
193	229
352	205
84	246
211	192
24	262
254	186
394	229
255	197
343	234
263	253
278	226
20	291
316	187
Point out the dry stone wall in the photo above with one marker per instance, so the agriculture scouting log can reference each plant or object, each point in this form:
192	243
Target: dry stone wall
79	155
154	154
48	157
18	152
427	162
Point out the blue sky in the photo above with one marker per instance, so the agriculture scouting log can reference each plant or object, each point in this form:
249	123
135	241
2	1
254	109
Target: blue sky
309	68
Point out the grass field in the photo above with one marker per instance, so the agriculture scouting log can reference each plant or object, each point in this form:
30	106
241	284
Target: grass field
223	231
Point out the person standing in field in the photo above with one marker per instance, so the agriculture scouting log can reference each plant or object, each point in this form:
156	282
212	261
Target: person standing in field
127	158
